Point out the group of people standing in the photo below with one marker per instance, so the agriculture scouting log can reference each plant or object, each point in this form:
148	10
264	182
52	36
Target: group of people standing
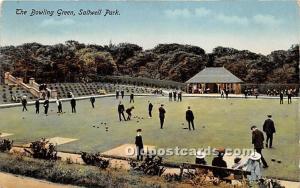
175	95
46	105
122	92
224	92
289	96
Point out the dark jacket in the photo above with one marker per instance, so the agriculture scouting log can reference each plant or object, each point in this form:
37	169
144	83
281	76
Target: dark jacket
128	110
37	103
139	141
218	161
189	115
92	99
150	106
121	108
24	101
131	96
46	103
73	102
162	112
269	127
281	95
258	139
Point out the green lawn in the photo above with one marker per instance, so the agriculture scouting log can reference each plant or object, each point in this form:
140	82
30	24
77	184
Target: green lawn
219	122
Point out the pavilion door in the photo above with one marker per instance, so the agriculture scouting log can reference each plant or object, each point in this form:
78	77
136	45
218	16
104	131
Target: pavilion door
212	87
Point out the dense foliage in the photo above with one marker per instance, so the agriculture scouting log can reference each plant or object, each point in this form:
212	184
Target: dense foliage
5	145
95	160
74	62
42	149
151	165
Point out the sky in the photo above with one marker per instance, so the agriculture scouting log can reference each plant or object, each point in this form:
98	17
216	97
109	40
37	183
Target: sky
258	26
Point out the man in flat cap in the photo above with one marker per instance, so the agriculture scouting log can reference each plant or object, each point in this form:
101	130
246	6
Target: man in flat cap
269	129
139	144
258	142
121	110
189	116
162	112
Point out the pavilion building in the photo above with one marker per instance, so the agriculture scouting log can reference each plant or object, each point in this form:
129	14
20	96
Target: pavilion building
213	80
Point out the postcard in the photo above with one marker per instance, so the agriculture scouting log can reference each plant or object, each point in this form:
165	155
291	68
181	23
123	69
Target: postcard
149	94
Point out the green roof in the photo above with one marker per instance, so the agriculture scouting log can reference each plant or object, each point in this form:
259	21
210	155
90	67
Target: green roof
214	75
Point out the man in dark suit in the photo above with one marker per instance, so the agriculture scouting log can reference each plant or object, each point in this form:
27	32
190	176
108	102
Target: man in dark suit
150	107
258	142
59	105
281	97
180	96
269	129
117	94
226	92
174	95
46	106
37	106
121	110
139	145
122	93
73	105
24	103
92	99
189	116
131	98
170	96
128	111
289	95
162	112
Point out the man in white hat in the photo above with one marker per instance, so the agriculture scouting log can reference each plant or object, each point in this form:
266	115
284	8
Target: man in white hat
200	158
24	103
254	166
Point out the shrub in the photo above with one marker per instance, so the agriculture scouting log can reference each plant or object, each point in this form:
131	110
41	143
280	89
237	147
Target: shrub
5	145
152	165
42	149
95	160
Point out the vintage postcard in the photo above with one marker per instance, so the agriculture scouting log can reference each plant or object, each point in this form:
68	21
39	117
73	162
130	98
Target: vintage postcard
149	94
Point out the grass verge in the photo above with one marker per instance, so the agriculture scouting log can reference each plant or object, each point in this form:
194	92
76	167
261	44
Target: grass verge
80	175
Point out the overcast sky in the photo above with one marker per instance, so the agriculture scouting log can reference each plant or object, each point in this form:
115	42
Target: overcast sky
253	25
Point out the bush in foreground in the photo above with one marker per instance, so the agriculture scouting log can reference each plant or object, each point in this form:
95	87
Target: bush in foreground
5	145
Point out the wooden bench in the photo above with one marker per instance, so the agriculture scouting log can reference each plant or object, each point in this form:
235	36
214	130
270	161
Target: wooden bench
238	174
